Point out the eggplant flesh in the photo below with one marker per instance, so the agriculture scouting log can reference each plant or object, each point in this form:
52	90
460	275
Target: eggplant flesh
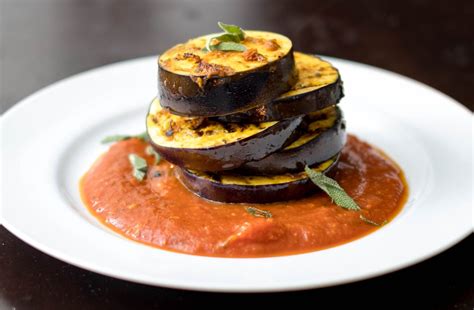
192	82
209	145
234	188
324	137
318	86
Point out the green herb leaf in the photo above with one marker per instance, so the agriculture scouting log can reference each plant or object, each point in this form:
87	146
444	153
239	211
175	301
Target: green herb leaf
258	213
364	219
333	189
232	29
137	162
225	46
228	40
116	138
227	37
138	174
139	166
230	46
151	151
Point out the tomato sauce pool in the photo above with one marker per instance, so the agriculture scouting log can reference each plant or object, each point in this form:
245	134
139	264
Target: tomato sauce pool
161	212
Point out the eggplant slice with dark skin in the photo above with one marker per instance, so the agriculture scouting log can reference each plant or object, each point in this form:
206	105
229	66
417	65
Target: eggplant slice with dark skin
324	137
318	86
193	82
208	145
234	188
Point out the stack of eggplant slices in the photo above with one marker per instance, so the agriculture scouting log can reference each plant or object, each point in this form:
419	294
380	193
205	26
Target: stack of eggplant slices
241	115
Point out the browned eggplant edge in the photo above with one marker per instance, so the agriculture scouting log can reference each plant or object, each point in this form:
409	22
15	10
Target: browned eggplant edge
232	193
324	146
287	107
231	155
216	96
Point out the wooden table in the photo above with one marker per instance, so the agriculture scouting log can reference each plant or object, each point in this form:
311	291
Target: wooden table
43	41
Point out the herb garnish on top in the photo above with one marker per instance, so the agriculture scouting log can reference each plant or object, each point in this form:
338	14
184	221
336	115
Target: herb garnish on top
229	40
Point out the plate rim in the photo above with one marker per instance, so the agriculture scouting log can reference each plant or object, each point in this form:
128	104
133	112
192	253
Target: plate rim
23	236
216	289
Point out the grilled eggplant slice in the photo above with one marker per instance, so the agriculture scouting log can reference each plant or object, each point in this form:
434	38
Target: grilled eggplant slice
193	82
318	86
208	145
324	137
234	188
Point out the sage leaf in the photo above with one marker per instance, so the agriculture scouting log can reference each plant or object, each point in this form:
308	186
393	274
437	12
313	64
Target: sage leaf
139	166
139	175
228	40
227	37
230	46
232	29
258	213
333	189
368	221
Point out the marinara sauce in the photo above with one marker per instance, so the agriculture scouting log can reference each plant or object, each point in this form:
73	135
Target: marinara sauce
161	212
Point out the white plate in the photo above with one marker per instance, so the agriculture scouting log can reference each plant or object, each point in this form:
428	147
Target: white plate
52	137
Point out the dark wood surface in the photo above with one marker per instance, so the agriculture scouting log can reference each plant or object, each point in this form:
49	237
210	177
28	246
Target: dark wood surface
43	41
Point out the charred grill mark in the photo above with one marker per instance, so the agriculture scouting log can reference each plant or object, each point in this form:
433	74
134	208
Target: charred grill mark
262	110
195	123
252	54
188	56
175	126
243	127
215	177
228	127
192	56
171	129
204	122
209	70
271	45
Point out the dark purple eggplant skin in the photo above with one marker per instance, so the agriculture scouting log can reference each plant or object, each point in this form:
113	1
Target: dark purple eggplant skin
283	108
329	143
181	95
227	193
232	155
